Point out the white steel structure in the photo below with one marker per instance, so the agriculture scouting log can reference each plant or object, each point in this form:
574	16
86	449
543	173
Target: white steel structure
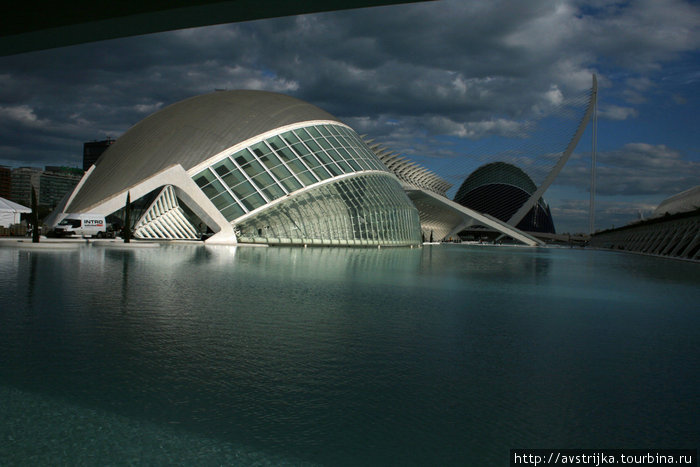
673	231
440	217
251	166
537	195
165	219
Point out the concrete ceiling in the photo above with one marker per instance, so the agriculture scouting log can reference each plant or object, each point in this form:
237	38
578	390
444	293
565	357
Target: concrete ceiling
31	25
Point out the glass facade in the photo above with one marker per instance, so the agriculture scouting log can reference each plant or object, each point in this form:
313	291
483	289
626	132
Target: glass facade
360	210
282	164
366	209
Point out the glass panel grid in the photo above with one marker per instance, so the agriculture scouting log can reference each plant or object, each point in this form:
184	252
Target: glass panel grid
364	210
284	163
204	177
280	172
292	161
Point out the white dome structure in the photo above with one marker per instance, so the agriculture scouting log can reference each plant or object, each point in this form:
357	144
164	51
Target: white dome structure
685	201
251	166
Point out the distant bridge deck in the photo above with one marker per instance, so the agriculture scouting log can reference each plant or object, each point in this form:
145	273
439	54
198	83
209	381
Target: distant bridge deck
563	238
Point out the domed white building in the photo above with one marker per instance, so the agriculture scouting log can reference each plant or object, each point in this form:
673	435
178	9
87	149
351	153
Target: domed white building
685	201
500	190
250	166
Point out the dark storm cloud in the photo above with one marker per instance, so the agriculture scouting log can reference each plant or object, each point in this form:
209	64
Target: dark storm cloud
406	74
572	215
469	70
53	101
453	61
636	169
640	168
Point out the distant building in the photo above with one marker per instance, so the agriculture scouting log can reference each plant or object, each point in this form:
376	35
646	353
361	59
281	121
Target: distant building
50	185
93	150
5	182
55	182
73	171
23	179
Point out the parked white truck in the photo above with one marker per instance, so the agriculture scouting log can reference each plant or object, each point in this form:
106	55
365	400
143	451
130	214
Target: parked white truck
82	225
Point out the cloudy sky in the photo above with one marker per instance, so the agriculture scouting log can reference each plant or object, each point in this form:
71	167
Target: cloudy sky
433	81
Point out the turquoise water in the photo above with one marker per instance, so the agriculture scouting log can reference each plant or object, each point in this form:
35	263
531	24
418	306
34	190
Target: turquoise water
445	355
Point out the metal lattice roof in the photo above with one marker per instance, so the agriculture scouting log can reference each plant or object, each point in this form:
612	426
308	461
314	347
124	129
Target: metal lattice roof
408	171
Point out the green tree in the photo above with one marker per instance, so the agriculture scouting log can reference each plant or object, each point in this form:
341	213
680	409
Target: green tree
35	218
126	232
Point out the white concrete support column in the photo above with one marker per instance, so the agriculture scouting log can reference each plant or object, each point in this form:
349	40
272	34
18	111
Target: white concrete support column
673	242
693	243
534	198
485	219
186	189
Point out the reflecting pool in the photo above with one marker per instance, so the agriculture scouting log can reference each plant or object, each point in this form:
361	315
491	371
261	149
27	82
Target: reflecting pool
443	355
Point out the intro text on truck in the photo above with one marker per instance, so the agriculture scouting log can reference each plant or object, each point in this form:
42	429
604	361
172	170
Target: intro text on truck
83	225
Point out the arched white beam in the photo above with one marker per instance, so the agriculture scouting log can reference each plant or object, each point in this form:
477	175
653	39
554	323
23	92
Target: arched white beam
525	208
186	189
469	215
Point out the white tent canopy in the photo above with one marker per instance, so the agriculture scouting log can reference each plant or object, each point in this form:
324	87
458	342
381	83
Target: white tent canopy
10	211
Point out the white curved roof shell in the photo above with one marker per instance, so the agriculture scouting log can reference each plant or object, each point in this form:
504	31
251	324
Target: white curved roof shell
188	133
685	201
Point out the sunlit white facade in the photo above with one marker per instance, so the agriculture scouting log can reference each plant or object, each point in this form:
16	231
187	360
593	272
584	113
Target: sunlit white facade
250	166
